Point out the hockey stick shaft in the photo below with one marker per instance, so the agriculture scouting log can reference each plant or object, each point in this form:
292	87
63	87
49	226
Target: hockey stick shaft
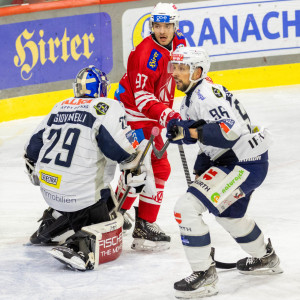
219	264
185	165
149	143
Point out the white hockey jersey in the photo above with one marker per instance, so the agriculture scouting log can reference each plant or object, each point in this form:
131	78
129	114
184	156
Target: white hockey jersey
76	148
214	104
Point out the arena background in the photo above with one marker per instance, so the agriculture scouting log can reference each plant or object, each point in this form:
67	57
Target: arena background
44	44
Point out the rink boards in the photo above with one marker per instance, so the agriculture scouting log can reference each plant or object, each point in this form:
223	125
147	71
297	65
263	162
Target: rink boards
237	79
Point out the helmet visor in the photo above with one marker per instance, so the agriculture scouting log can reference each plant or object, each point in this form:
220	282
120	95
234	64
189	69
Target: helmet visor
177	66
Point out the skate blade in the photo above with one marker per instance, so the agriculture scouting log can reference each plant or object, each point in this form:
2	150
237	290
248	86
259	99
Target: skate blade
205	291
146	245
41	244
74	263
264	271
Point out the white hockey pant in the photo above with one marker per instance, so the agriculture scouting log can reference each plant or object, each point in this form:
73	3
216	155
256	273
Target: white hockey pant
196	238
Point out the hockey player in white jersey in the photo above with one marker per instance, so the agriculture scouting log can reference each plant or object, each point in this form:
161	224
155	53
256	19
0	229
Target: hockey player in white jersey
72	156
231	164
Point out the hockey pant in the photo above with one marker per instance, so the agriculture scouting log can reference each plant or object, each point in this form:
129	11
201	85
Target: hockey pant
195	234
151	198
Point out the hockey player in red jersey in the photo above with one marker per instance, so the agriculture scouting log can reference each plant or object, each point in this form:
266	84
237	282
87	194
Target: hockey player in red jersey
147	92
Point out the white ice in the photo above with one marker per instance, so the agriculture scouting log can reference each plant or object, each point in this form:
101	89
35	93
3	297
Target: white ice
29	272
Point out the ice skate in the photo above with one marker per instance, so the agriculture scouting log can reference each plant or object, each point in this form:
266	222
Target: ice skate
148	236
268	264
53	229
198	284
74	260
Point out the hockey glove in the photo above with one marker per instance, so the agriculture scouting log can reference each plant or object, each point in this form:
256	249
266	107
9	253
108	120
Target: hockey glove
178	131
30	170
136	180
173	115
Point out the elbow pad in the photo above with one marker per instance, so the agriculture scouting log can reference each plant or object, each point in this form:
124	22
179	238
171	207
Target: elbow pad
212	135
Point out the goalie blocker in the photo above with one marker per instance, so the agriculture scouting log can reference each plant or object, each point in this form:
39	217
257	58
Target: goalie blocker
96	244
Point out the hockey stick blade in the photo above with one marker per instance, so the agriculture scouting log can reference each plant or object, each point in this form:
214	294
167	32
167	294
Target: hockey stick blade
225	266
160	153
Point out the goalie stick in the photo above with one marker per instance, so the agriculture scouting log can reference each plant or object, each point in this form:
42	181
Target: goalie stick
154	133
219	264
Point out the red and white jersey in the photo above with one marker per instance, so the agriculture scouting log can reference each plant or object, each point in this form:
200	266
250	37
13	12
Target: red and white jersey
147	89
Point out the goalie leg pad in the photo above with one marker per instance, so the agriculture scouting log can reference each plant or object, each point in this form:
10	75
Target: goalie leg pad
106	239
92	246
54	228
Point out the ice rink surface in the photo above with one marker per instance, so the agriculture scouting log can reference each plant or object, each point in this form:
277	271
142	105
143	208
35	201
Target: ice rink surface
29	272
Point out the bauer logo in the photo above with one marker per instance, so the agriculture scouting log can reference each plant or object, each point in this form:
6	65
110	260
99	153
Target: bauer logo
49	50
50	179
155	56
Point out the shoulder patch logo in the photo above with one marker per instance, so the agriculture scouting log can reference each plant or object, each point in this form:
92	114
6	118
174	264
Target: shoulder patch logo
155	56
217	92
179	35
101	108
227	124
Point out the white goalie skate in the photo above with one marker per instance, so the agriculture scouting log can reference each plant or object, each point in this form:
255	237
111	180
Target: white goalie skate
72	259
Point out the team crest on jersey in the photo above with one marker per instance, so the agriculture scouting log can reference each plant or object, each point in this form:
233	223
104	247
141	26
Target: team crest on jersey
217	92
155	56
101	108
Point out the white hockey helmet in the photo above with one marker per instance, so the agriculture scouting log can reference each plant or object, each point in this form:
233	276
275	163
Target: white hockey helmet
194	57
164	13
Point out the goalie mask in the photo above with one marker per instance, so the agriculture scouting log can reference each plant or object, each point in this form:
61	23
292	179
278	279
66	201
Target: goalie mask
90	83
194	57
164	13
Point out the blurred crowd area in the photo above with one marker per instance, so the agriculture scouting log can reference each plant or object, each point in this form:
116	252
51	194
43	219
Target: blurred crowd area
18	2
